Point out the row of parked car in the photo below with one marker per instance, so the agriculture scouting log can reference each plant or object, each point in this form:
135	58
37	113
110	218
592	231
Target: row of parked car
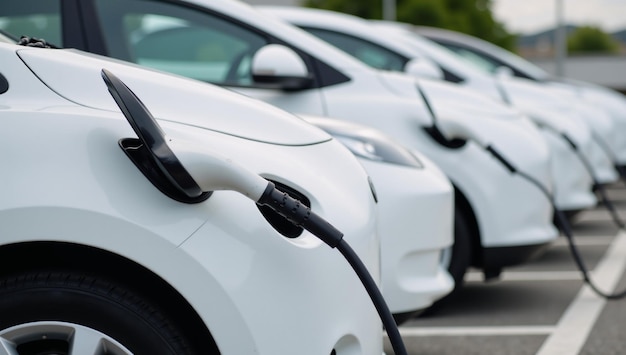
421	158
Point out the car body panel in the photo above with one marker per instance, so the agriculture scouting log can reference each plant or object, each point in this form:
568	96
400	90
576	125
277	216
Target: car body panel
409	46
71	183
602	100
346	89
248	121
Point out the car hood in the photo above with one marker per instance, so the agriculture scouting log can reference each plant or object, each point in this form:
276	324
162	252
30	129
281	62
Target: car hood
445	98
168	97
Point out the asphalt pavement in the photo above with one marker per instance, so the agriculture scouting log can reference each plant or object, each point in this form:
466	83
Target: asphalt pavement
542	307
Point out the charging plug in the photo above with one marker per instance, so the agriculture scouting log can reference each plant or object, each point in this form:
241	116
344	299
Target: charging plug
456	128
300	215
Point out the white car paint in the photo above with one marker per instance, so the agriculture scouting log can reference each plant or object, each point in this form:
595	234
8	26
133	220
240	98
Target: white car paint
484	55
572	181
412	273
392	104
344	88
67	182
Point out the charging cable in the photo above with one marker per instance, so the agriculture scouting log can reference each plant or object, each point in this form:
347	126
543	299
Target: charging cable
609	152
562	221
597	187
302	216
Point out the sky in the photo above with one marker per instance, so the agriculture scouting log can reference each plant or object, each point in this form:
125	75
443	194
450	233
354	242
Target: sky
531	16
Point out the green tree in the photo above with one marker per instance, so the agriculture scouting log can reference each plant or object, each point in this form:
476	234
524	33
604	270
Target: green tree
371	9
471	17
590	39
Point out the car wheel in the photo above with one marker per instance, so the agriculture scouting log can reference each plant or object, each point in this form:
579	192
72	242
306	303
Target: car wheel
460	252
68	312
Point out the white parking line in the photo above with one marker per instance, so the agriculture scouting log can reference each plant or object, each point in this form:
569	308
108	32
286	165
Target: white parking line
475	331
572	330
598	216
586	241
574	326
528	276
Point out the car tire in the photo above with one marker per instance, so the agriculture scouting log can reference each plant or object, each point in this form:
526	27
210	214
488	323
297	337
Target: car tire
41	310
461	254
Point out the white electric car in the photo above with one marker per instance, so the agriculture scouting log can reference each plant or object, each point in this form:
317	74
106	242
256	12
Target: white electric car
533	98
413	275
104	253
493	59
502	219
390	47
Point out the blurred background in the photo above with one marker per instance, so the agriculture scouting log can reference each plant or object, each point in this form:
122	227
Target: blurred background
579	39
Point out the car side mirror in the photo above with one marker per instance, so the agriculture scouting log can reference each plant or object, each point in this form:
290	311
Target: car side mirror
280	67
504	72
423	68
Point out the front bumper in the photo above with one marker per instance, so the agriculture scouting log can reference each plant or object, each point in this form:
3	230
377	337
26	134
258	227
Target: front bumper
415	225
603	167
573	184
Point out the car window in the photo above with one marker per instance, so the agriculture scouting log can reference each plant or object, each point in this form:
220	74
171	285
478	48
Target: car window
367	52
179	40
32	18
520	67
480	62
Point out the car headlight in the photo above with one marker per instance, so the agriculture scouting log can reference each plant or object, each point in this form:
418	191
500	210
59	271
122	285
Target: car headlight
379	149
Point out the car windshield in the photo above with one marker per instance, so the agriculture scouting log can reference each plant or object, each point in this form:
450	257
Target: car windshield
442	55
482	61
38	19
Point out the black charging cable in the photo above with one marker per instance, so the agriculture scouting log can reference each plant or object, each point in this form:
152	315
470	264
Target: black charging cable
563	225
609	152
301	215
597	187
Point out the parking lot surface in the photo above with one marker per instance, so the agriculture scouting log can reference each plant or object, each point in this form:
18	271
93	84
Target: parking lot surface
542	307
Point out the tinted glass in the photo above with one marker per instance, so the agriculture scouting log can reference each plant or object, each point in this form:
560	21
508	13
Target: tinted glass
32	18
367	52
179	40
